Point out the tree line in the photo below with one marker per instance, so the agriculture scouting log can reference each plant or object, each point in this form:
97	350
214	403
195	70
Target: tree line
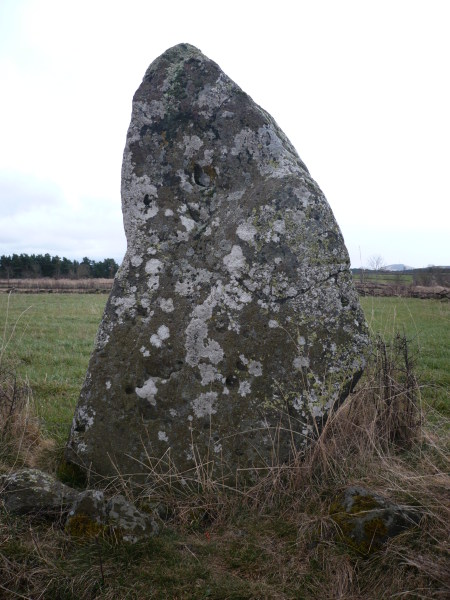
21	266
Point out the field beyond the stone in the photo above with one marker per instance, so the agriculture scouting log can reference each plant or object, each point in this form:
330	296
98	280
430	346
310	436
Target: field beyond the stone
274	542
51	336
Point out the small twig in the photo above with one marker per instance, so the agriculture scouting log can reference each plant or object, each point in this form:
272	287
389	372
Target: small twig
190	551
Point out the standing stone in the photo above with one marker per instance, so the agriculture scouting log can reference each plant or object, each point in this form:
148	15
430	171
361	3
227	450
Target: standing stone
233	326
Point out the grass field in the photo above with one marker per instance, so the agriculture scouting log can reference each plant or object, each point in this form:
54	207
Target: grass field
398	278
50	338
426	324
276	541
52	335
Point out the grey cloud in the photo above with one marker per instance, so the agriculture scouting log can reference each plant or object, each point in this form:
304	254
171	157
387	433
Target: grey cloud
94	230
23	192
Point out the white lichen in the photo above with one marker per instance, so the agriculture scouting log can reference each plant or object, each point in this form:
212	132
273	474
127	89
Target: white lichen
199	346
192	281
188	223
255	368
298	403
185	184
136	260
246	232
166	305
81	447
85	417
244	388
279	226
153	266
148	391
235	196
155	341
152	210
124	305
212	96
209	373
163	332
235	261
204	405
153	283
158	338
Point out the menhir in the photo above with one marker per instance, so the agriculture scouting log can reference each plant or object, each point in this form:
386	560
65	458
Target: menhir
233	327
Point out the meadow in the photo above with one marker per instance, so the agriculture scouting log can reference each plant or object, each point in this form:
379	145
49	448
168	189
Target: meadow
274	541
395	278
426	325
50	337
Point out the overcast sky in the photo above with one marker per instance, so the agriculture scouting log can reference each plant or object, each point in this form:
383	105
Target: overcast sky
361	88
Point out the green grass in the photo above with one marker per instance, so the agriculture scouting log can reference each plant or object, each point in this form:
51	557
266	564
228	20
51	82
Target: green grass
426	324
398	278
50	337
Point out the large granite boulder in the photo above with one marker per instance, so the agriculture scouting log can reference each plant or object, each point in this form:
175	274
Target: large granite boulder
233	326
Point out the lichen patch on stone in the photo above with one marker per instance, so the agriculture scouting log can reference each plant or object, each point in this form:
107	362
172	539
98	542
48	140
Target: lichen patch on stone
162	436
148	391
166	305
246	232
235	261
205	405
244	388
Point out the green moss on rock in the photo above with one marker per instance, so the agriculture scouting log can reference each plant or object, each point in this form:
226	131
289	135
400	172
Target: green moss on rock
366	520
83	526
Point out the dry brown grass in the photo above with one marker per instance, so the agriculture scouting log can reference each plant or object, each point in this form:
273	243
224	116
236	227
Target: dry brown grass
379	439
60	286
22	441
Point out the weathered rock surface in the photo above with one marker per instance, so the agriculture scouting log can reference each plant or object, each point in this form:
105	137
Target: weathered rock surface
233	325
92	514
367	520
89	513
32	491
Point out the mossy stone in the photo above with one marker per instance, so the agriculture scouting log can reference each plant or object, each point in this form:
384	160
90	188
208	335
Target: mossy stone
84	526
366	520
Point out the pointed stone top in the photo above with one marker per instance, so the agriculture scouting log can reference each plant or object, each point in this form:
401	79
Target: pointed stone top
172	56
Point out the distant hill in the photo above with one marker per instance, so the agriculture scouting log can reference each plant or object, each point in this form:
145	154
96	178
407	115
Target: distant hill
399	267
